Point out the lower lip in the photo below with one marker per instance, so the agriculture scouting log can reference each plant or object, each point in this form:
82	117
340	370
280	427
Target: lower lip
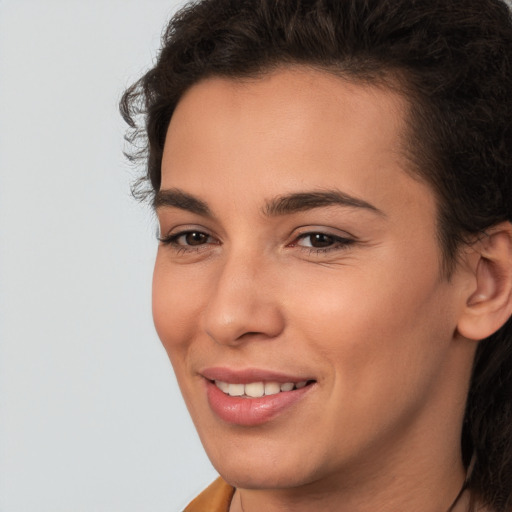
252	411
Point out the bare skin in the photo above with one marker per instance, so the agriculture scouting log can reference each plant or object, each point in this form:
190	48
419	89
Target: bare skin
348	294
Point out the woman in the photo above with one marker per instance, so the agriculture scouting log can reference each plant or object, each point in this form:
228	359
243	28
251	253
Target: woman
333	183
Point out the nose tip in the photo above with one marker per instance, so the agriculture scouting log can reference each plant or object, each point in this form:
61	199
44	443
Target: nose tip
237	326
242	307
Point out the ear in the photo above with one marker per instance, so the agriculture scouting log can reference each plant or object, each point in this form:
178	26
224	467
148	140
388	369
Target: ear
489	301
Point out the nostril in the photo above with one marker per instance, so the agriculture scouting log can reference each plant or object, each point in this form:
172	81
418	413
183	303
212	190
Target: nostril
250	334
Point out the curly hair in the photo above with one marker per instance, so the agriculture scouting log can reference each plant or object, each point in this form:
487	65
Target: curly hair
452	59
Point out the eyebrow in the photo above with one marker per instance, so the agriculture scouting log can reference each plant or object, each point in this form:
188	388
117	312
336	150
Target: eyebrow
302	201
176	198
282	205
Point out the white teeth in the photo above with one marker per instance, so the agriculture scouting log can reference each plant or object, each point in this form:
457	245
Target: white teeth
223	386
272	388
236	389
255	389
258	389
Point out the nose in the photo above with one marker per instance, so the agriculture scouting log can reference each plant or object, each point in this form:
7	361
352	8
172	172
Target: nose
243	304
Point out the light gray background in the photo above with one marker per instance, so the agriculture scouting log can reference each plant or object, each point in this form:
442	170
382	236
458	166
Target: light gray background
90	415
91	419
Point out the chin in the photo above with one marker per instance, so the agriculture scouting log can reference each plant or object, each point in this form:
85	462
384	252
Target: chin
248	464
262	476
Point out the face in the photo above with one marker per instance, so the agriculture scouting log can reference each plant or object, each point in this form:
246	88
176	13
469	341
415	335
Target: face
297	287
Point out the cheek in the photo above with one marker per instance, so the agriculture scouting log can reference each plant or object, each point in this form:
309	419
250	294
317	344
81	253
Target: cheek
176	308
382	341
385	328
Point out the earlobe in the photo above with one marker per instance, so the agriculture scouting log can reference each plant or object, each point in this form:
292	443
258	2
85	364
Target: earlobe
489	305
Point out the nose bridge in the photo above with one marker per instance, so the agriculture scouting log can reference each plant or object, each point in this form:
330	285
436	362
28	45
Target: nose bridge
243	301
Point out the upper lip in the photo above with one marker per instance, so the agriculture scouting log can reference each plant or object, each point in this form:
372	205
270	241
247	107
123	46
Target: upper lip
245	376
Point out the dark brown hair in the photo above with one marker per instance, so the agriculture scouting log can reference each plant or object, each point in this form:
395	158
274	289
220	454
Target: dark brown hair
452	59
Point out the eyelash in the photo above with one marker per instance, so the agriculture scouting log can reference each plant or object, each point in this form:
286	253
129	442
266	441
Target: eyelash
172	241
338	243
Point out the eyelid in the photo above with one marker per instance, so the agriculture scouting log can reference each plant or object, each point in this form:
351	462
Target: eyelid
303	231
172	239
176	232
341	240
175	229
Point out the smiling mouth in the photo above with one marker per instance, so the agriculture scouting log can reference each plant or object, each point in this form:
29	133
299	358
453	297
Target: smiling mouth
259	389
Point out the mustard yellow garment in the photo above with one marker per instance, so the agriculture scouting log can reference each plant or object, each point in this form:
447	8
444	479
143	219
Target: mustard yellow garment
215	498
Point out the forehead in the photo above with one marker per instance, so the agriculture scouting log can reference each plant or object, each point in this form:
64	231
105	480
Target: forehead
291	102
286	131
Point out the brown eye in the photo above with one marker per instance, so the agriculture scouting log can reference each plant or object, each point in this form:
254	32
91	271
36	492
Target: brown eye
317	240
320	240
195	238
186	240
